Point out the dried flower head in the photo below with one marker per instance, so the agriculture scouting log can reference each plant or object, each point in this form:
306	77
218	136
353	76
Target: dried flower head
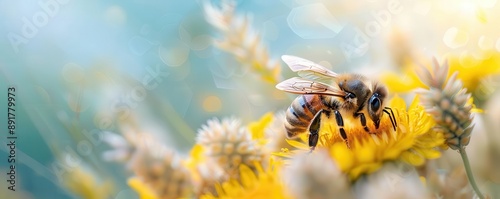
240	40
164	175
156	168
316	176
447	102
126	147
229	145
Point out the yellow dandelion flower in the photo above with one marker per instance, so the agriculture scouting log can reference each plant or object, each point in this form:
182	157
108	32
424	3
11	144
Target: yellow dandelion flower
471	70
265	184
413	142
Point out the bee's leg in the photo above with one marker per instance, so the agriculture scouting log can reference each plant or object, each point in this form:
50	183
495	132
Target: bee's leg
340	123
314	130
362	118
391	117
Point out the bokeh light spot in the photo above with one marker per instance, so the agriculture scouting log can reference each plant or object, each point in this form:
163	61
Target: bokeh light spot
174	53
313	21
201	42
454	38
468	59
212	103
115	15
485	43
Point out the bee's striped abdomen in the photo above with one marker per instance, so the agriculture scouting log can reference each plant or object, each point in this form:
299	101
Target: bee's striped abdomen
301	112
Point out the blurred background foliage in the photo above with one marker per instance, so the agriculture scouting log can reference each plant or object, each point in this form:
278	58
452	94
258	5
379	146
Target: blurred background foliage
162	67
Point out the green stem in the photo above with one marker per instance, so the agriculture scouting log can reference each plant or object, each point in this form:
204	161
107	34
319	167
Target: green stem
468	170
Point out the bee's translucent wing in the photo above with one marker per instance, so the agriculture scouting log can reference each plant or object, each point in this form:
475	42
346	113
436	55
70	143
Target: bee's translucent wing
308	69
298	85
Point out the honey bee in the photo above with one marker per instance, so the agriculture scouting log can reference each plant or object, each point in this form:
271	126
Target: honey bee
327	93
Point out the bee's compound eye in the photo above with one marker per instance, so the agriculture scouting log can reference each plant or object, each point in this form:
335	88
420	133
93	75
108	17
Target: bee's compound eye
375	103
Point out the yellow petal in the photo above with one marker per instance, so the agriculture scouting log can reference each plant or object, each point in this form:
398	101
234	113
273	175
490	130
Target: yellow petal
397	102
481	15
343	156
142	189
297	144
364	168
257	128
248	178
413	158
415	103
399	84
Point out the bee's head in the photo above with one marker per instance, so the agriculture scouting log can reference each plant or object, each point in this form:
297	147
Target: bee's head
375	105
